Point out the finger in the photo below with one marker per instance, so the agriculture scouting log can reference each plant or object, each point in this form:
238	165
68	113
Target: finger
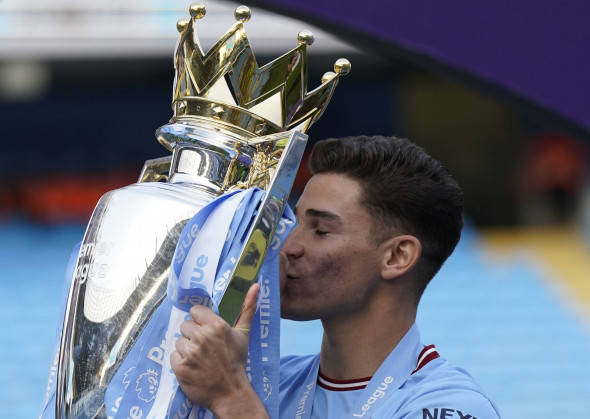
244	322
181	345
188	329
202	315
175	361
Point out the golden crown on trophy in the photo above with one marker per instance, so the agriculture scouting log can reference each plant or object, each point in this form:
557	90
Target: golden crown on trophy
227	86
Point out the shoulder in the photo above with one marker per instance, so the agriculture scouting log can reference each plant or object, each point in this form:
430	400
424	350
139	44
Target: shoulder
441	390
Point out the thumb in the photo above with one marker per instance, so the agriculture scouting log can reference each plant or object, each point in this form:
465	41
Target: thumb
244	322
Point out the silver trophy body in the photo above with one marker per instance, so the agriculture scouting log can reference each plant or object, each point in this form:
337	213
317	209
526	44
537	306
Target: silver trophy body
227	132
125	257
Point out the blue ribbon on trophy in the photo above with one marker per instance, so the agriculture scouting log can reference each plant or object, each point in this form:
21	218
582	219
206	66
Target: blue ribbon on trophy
194	229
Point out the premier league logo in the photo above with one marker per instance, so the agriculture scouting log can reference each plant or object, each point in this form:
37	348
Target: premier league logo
127	377
266	386
146	386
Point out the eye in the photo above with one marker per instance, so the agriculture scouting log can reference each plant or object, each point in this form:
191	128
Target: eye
319	232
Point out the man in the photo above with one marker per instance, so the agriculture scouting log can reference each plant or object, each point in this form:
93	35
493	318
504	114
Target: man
375	223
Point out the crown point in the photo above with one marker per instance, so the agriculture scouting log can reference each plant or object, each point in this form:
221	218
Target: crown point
181	24
197	10
305	37
342	66
199	100
328	76
242	14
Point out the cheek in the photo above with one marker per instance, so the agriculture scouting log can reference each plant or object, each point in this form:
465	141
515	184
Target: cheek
339	264
350	265
331	267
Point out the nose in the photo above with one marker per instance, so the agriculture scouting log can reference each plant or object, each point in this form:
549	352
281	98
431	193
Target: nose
293	247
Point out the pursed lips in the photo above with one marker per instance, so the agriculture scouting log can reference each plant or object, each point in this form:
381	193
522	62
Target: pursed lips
291	274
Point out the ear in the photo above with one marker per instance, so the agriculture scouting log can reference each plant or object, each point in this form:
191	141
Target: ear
401	253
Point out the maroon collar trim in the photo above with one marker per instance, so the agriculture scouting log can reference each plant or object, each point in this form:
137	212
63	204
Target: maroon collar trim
426	355
342	385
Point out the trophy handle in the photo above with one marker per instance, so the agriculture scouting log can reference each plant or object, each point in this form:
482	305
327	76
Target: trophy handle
156	170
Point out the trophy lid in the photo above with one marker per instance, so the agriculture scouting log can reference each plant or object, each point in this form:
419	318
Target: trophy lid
226	87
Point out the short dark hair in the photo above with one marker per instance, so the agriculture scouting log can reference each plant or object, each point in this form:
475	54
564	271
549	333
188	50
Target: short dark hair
403	188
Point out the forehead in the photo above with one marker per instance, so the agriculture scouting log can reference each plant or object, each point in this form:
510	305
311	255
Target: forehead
331	192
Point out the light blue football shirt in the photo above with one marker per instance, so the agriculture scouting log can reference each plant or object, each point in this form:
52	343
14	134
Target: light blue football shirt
433	390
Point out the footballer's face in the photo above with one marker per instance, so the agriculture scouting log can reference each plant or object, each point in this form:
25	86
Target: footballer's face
330	265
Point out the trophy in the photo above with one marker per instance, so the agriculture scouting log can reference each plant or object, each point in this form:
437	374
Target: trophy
235	126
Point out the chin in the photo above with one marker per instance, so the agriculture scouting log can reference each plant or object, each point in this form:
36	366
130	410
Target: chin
296	316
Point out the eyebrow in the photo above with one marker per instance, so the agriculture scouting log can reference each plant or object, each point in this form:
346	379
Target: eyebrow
330	216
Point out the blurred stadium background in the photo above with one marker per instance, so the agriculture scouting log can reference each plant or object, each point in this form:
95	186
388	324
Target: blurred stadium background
83	86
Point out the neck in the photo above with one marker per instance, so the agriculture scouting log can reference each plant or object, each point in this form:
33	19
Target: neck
355	345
